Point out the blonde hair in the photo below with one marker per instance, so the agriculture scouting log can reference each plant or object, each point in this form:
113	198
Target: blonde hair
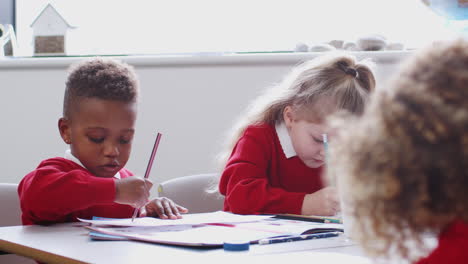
402	168
336	76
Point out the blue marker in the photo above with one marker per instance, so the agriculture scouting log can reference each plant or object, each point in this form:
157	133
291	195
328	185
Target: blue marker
267	241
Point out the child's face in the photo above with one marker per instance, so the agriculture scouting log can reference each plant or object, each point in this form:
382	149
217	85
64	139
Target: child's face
307	139
100	134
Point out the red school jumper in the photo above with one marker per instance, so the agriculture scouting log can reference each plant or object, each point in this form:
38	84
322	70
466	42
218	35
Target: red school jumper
259	179
453	246
59	190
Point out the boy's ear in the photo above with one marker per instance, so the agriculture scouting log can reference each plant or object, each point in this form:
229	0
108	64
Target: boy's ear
64	129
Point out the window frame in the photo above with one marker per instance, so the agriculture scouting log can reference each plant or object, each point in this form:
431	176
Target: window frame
8	12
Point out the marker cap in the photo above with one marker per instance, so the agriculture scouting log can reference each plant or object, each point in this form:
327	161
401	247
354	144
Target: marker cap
236	245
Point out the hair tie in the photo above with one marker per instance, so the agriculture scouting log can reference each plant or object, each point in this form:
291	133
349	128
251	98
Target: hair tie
344	67
352	72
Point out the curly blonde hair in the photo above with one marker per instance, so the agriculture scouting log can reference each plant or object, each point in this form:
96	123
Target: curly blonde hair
402	168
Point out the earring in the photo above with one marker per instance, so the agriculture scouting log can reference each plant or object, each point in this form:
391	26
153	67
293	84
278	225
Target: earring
67	141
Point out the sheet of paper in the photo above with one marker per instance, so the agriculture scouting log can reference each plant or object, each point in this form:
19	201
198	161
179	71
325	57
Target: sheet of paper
211	233
201	235
292	227
188	219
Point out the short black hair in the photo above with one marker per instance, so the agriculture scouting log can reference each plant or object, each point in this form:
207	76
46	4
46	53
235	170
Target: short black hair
101	78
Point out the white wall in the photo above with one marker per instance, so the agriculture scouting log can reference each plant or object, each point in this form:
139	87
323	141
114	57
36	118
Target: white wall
192	101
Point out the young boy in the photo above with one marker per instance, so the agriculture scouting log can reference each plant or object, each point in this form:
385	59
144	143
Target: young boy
99	114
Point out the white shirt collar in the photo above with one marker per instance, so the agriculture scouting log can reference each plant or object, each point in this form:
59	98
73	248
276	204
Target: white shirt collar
69	156
285	140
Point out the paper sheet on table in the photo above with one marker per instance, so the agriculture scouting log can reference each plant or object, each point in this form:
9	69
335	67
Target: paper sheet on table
186	235
211	234
188	219
290	227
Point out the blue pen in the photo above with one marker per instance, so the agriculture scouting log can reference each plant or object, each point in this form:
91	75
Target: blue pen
267	241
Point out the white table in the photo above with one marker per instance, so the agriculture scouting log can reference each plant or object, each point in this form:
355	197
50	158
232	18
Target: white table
69	243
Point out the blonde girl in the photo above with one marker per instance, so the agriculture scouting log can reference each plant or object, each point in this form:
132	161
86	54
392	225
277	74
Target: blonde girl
406	162
274	161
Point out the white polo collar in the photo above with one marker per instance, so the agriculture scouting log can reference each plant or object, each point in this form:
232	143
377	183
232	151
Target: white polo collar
69	156
285	140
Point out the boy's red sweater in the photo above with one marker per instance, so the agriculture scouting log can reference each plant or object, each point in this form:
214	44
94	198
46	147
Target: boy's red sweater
59	190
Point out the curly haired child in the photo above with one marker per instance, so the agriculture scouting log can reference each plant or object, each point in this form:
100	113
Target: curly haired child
275	158
98	123
404	163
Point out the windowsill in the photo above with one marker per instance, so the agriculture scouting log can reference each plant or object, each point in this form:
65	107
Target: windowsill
380	57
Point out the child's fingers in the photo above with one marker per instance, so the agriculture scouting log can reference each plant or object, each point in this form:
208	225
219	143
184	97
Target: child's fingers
335	204
182	209
144	196
148	184
143	212
157	209
338	206
143	200
165	208
171	209
160	210
331	211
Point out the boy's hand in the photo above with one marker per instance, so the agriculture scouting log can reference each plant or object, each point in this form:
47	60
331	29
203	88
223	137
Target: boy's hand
133	191
163	208
322	202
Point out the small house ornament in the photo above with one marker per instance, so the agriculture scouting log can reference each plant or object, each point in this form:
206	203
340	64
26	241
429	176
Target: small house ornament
49	31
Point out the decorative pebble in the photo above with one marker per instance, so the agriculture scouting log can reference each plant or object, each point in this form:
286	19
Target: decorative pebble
349	45
337	43
371	43
395	46
301	47
320	47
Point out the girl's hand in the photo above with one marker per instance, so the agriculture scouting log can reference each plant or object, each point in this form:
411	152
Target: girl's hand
323	202
163	208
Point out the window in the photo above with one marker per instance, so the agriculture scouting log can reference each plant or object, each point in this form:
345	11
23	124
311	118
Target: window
7	12
183	26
